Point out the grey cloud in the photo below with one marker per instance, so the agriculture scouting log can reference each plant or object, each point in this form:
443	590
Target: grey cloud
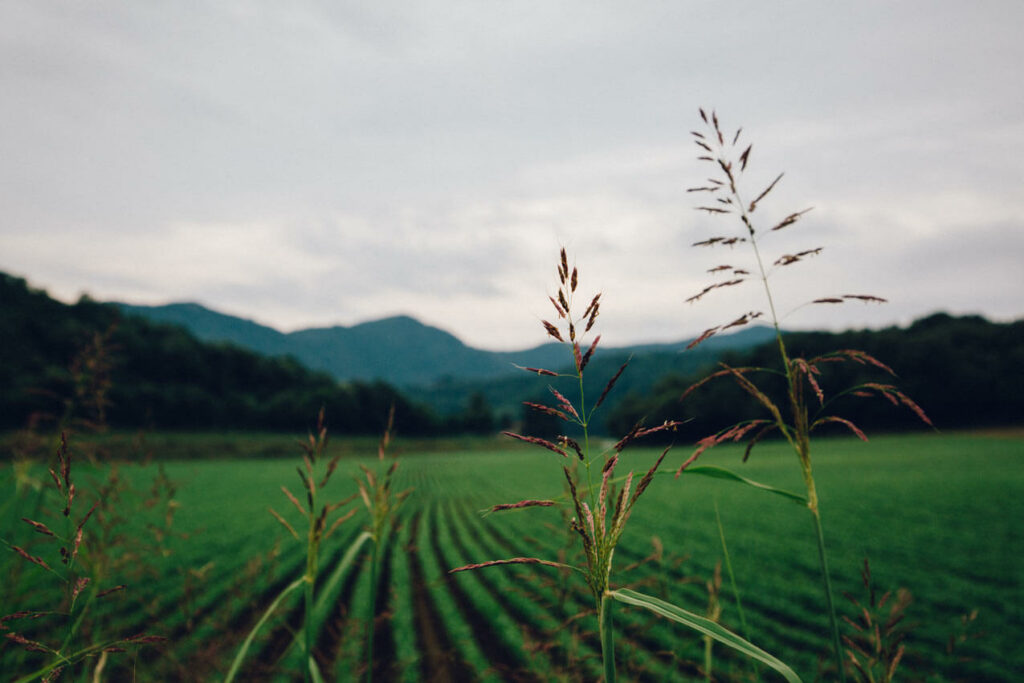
431	152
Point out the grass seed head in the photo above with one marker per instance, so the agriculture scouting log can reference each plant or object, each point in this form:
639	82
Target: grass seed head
552	331
498	563
522	504
538	441
38	526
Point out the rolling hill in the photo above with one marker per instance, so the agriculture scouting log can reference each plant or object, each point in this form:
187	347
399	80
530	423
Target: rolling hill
399	350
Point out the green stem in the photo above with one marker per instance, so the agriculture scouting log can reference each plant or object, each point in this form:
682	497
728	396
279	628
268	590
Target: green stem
833	622
73	628
607	638
310	578
63	661
732	577
371	608
707	658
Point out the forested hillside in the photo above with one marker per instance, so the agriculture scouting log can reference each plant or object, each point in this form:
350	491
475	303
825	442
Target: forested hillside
406	353
965	372
90	362
94	362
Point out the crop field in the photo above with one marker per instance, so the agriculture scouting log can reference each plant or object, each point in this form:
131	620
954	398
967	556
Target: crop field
939	515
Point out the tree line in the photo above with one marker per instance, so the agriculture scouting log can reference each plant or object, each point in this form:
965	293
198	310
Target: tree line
965	372
88	362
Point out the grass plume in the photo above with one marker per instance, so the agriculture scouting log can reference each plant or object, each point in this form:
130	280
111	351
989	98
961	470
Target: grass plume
796	416
601	500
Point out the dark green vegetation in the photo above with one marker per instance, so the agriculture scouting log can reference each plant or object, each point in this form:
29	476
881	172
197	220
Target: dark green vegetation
378	350
937	514
963	371
90	362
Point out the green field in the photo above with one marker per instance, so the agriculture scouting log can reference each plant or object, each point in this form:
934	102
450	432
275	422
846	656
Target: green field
939	515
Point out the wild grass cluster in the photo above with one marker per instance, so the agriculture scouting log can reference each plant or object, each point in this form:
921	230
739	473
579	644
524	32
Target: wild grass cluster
557	582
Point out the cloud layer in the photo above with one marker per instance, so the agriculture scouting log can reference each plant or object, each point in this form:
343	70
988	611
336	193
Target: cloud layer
318	163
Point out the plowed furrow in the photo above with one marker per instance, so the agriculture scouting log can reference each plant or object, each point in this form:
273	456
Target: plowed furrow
440	661
632	634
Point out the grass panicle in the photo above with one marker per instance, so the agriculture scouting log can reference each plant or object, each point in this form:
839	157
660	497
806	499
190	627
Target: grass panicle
600	500
78	566
875	645
320	521
794	416
381	504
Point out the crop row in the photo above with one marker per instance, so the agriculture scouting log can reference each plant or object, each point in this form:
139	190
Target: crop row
537	623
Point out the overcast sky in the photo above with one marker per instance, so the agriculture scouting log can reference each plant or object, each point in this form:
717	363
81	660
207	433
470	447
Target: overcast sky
316	163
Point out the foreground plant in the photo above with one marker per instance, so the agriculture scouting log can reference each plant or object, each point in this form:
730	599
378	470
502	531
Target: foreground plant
797	417
875	647
74	567
319	527
601	507
381	504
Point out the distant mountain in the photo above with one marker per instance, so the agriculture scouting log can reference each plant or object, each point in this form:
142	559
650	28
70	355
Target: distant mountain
87	365
648	364
398	350
212	326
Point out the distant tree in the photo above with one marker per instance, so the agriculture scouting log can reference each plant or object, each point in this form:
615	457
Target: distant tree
478	416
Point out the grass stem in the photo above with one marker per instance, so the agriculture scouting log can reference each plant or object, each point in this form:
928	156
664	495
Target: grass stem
371	608
833	622
607	638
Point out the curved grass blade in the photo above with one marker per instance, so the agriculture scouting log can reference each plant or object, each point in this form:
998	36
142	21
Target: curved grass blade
240	657
322	604
314	672
722	473
705	626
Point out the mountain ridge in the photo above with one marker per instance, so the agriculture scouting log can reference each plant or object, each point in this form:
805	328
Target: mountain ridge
381	349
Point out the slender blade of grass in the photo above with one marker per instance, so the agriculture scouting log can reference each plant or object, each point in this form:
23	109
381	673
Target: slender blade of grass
339	571
722	473
705	626
314	671
335	577
242	651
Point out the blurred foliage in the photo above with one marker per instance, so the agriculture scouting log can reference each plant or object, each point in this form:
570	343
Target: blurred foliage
161	377
91	362
965	372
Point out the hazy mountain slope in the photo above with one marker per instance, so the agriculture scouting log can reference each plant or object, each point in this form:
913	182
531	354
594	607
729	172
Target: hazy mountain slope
212	326
401	350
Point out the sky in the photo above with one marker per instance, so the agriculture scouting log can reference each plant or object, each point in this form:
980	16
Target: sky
307	164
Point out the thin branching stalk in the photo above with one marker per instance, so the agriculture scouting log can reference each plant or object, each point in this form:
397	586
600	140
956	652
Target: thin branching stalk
602	503
381	504
65	559
319	526
732	576
312	557
723	153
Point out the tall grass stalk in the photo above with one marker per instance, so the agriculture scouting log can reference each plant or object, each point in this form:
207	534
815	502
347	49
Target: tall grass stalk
317	516
729	160
602	503
381	504
70	561
876	647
